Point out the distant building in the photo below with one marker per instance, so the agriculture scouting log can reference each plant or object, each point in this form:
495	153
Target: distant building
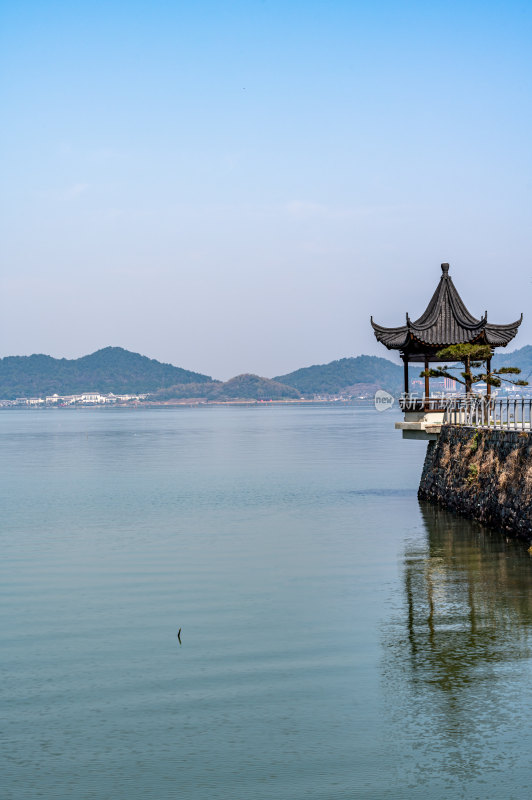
92	397
87	398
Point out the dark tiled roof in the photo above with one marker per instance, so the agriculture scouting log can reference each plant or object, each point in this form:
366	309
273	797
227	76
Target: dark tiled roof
446	321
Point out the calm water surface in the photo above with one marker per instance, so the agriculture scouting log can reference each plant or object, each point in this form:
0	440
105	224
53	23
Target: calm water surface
338	640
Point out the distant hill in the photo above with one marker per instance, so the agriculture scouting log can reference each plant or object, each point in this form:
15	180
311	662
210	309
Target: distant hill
186	391
112	369
242	387
254	387
337	376
522	359
365	374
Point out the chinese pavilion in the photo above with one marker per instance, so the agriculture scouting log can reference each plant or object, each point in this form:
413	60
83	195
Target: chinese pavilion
446	321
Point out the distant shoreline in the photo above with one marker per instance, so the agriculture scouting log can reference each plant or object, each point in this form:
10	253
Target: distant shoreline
189	404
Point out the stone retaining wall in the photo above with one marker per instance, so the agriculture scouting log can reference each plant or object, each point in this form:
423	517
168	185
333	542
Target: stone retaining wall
485	475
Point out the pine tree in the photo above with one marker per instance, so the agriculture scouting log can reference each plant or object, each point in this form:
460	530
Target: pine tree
473	357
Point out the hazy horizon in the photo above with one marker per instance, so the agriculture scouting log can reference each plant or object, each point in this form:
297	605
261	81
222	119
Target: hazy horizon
237	188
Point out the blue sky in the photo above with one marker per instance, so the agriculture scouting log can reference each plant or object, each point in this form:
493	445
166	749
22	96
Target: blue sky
237	186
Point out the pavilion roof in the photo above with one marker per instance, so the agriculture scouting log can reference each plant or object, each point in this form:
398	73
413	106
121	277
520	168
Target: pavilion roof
445	321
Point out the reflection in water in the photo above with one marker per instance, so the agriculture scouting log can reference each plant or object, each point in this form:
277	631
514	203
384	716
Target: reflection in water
469	601
455	649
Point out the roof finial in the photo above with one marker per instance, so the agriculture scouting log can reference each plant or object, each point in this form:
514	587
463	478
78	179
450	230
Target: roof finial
445	268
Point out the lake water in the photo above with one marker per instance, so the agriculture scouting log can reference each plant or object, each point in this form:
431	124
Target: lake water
338	639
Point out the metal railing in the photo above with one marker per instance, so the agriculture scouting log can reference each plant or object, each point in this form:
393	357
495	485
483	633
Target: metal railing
511	413
475	411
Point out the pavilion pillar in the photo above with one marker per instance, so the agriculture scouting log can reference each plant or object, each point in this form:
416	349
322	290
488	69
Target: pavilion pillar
427	387
486	404
407	382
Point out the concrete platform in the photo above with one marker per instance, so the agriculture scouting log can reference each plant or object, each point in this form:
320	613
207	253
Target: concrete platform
424	425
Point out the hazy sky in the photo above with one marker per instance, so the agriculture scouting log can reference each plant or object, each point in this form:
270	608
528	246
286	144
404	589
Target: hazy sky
236	186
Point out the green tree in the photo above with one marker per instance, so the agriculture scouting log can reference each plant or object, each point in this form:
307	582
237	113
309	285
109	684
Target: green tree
473	357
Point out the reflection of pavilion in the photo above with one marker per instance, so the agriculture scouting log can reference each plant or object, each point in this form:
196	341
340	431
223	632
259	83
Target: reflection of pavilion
468	607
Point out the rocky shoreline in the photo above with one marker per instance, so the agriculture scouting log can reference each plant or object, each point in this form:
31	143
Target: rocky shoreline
483	474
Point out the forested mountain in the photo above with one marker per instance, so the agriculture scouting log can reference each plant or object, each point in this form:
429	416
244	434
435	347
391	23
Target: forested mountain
242	387
332	378
254	387
112	369
364	373
522	359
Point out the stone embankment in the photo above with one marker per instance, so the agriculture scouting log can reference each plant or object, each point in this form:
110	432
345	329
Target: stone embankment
484	474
